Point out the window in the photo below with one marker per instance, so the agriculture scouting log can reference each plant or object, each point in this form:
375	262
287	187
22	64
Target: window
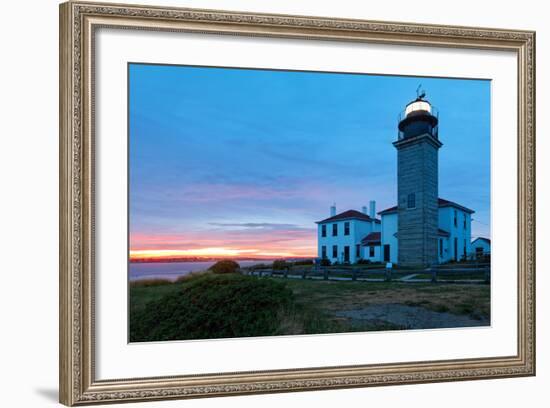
324	252
346	228
455	248
455	220
324	230
335	251
411	200
464	221
358	251
334	230
440	248
371	251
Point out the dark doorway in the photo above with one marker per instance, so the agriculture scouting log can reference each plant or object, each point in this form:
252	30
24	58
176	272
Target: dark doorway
386	253
479	252
346	254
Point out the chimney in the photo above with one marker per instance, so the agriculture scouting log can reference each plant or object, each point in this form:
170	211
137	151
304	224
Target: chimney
333	210
364	210
372	212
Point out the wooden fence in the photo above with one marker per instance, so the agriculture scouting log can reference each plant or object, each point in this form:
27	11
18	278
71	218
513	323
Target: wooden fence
474	273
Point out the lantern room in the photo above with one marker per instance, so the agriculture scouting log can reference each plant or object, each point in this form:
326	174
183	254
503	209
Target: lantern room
418	118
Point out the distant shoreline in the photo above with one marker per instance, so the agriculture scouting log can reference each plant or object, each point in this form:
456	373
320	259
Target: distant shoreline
174	260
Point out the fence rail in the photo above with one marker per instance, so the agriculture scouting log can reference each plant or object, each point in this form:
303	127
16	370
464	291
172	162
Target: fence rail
477	273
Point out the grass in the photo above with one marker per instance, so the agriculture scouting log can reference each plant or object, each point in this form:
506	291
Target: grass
454	276
471	300
145	283
233	305
191	275
141	295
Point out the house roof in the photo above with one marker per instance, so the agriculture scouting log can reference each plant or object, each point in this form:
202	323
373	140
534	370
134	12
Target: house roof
388	210
373	238
441	203
447	203
348	215
483	239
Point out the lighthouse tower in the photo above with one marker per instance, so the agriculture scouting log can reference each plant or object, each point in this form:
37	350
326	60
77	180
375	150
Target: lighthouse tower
417	184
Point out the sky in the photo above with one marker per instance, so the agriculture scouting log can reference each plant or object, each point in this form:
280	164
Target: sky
242	162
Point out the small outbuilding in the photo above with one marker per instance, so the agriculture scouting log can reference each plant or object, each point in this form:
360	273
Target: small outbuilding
481	247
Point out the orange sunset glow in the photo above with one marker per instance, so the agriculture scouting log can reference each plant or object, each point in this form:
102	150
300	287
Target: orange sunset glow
218	252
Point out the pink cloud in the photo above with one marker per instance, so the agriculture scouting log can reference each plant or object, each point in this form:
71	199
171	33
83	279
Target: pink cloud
298	242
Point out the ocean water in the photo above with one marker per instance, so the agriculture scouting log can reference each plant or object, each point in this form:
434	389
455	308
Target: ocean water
173	270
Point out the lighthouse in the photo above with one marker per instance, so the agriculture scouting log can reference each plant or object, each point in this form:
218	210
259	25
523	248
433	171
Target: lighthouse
417	183
423	229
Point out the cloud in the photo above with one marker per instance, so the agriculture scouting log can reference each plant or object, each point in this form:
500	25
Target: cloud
269	225
281	147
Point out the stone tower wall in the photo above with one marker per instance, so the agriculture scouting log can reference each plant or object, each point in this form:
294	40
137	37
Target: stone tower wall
417	172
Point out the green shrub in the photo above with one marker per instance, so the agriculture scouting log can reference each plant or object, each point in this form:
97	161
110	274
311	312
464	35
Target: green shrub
214	306
258	266
280	264
303	262
325	262
225	266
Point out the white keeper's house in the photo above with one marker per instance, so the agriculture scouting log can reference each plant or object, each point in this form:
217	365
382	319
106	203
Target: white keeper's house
422	229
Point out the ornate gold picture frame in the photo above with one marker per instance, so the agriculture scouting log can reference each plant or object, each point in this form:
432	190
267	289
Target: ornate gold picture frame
78	24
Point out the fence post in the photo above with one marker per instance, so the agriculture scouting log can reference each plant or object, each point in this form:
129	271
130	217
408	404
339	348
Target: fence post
434	274
387	274
304	274
487	275
354	274
325	274
286	272
260	273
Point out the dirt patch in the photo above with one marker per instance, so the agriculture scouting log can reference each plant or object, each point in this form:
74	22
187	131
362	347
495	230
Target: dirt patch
408	317
471	300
